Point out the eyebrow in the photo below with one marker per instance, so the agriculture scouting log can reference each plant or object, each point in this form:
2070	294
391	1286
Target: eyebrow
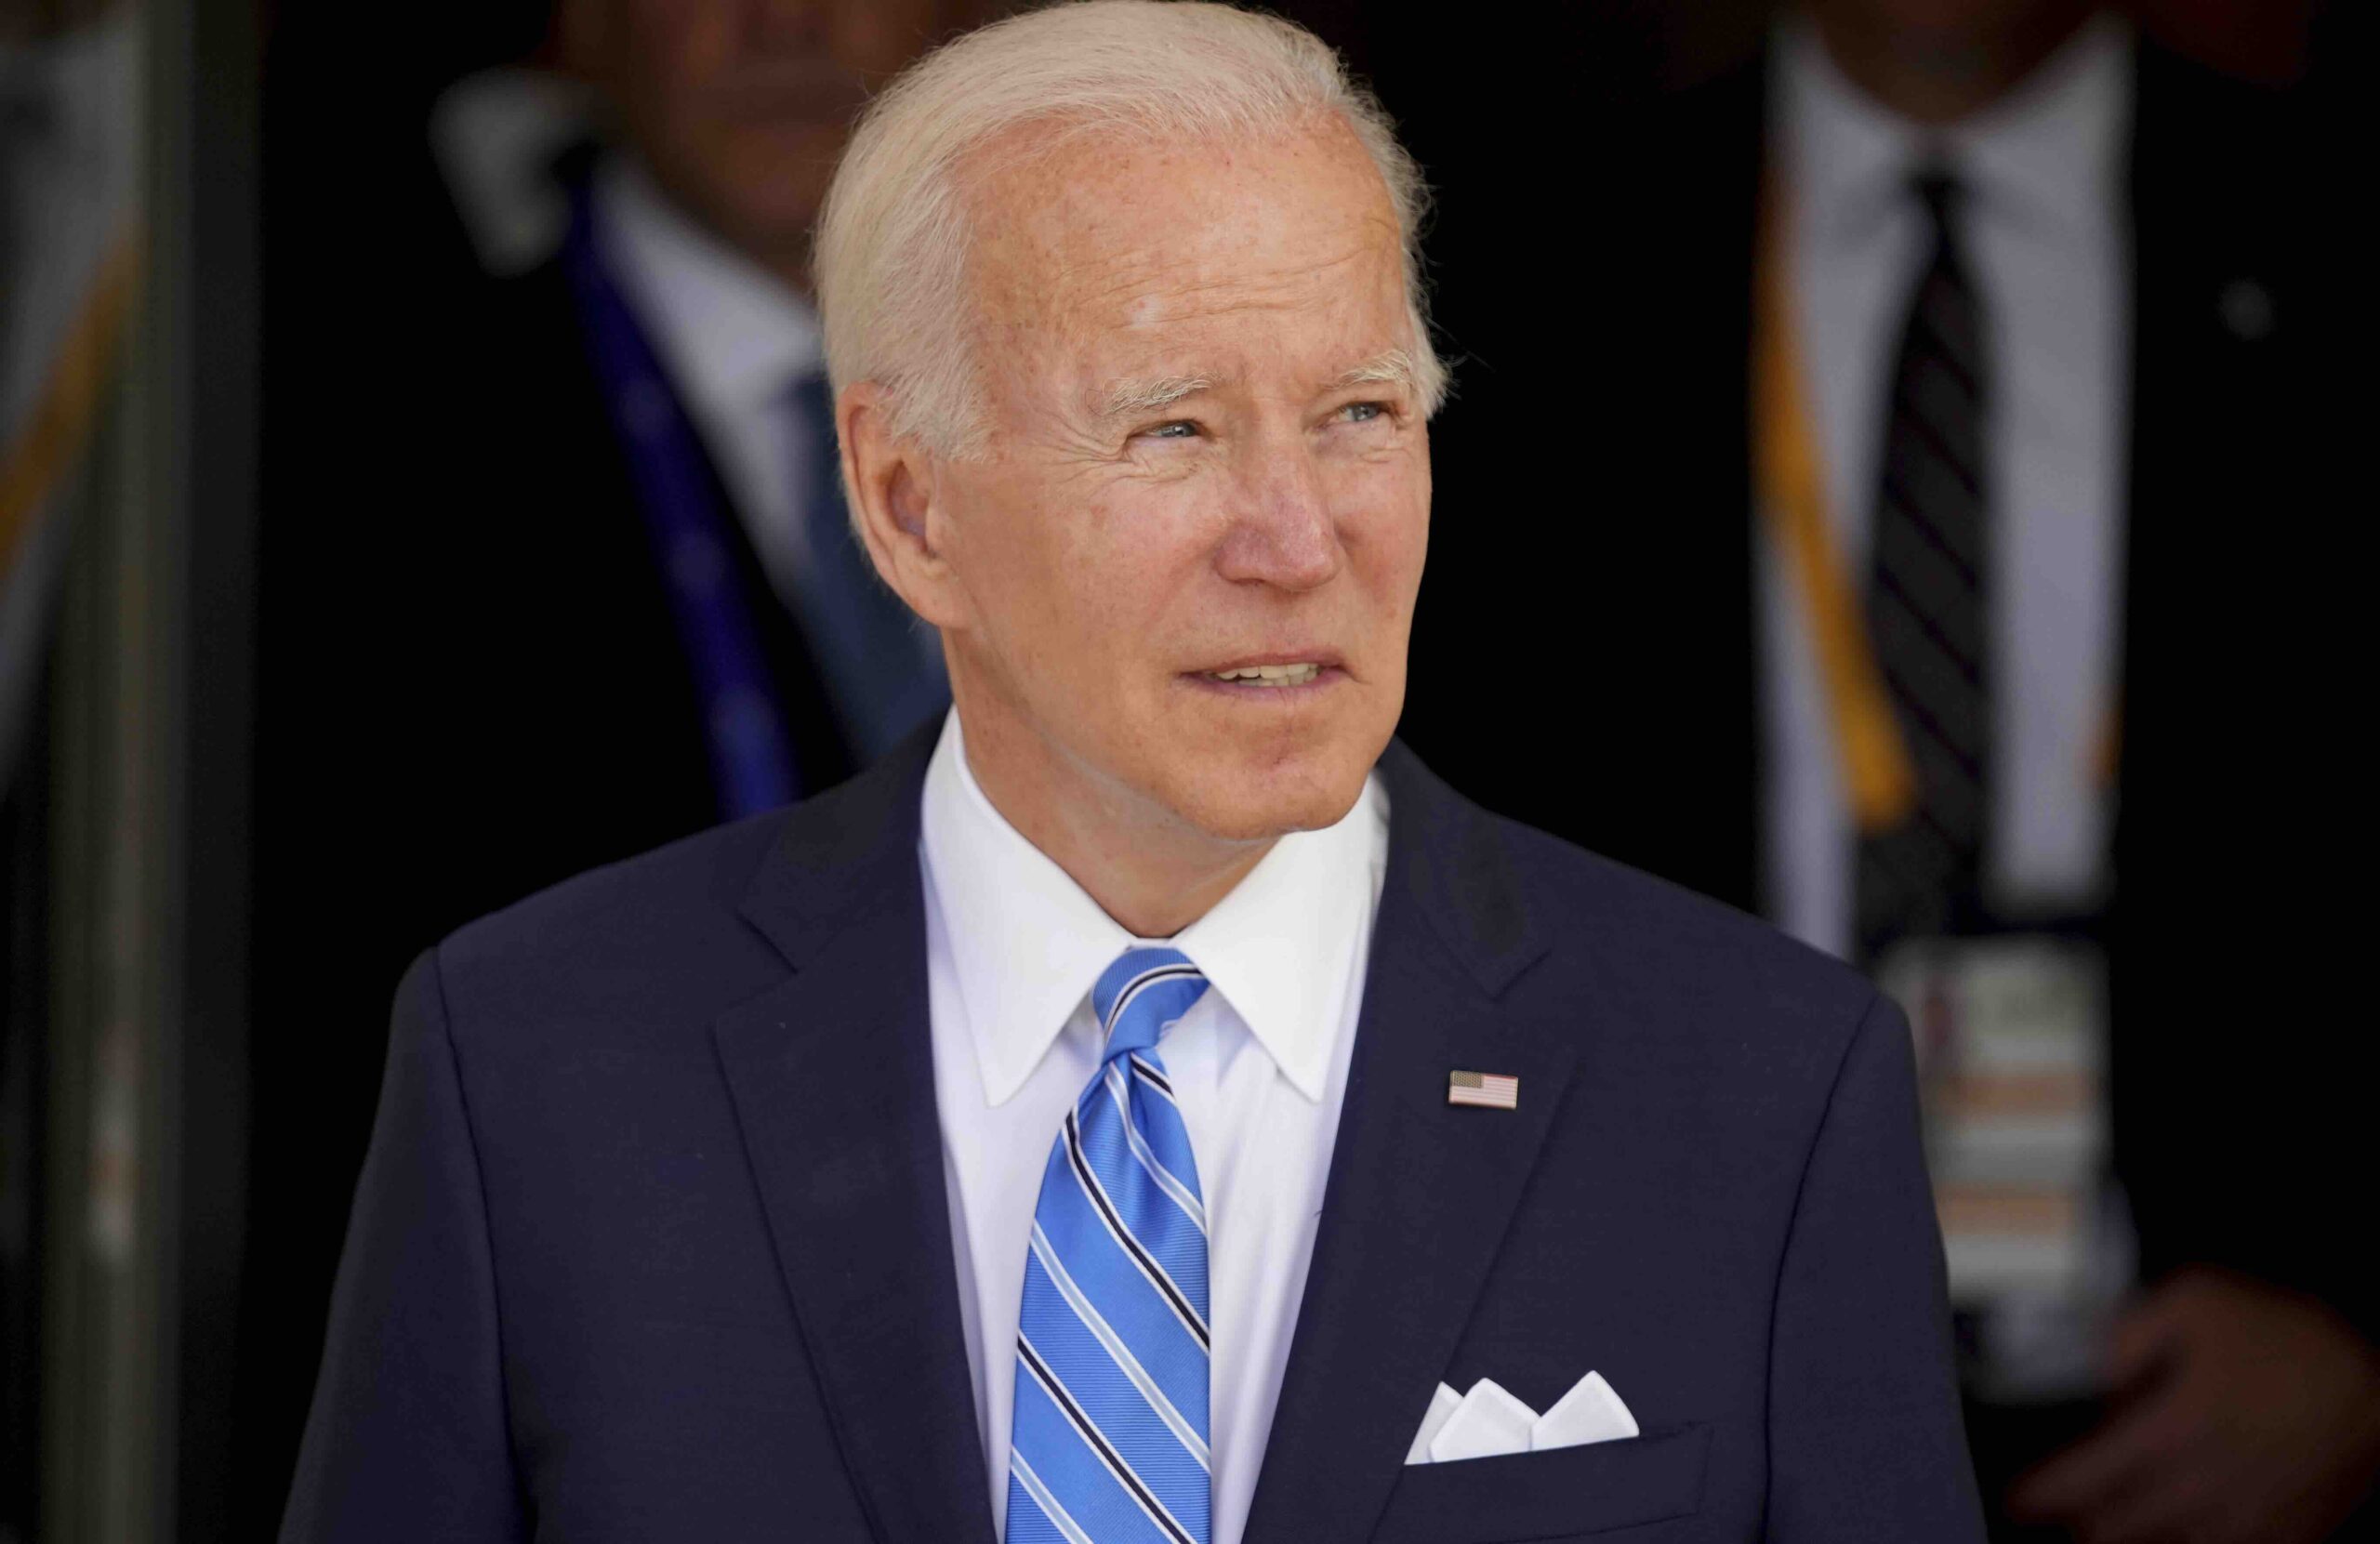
1394	367
1147	396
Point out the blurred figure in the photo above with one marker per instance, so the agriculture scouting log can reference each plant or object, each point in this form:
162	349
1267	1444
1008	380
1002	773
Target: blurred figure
664	620
557	567
1985	635
1941	313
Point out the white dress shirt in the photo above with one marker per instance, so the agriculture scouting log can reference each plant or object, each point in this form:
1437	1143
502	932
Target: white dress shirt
2045	233
1259	1066
735	339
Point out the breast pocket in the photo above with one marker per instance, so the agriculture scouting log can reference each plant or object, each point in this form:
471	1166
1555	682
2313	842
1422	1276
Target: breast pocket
1568	1492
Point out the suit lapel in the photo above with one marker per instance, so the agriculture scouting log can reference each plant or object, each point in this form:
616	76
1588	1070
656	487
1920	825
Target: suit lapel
1419	1192
832	1077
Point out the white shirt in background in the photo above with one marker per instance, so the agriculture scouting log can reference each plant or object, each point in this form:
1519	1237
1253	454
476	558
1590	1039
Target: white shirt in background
735	339
1259	1066
2045	232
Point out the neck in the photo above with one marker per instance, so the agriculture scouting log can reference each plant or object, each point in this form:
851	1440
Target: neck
1151	871
1936	76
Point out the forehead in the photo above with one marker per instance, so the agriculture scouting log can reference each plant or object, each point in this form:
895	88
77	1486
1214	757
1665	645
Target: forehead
1103	243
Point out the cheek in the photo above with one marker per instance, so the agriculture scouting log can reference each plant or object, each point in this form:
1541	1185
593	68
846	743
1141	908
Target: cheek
1055	602
1123	578
1388	538
1135	553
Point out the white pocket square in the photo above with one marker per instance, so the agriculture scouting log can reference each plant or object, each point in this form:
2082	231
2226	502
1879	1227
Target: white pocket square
1488	1421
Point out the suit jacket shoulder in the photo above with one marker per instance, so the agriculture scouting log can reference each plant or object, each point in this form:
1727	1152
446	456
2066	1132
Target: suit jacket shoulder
676	935
1661	961
656	932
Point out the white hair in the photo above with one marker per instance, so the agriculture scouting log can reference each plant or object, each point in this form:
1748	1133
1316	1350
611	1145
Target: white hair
893	236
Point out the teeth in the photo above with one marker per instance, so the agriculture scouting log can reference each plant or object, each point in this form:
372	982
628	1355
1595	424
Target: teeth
1269	675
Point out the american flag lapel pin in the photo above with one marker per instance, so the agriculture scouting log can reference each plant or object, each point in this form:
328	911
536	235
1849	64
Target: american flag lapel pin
1488	1090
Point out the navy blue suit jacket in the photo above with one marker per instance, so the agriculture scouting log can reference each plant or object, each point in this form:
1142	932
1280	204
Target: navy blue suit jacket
652	1242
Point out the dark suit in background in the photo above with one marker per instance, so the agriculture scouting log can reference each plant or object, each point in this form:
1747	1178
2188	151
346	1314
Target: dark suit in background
544	617
1629	638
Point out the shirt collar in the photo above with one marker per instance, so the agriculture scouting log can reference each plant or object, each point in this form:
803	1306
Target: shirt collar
2050	151
1028	943
732	333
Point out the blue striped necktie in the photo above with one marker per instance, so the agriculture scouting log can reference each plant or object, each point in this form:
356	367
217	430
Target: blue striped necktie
1109	1442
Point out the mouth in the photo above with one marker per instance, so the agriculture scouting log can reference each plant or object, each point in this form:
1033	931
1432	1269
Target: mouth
1300	674
1290	675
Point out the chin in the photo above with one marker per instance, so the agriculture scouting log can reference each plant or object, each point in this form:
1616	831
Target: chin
1232	799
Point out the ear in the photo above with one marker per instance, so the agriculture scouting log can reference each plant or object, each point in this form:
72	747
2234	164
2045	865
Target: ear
894	484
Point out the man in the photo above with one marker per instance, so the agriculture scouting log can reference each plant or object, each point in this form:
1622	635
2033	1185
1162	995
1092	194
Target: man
645	410
625	580
2041	314
1154	1107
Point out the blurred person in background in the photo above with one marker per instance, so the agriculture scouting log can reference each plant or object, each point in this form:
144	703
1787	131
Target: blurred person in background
567	489
1988	631
663	620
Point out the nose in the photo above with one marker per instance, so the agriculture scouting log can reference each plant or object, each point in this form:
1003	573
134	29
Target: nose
1283	534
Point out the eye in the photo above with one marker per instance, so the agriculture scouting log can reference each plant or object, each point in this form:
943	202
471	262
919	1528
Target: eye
1173	429
1363	413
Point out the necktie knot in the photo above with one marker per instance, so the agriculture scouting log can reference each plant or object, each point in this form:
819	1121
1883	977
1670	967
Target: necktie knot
1141	996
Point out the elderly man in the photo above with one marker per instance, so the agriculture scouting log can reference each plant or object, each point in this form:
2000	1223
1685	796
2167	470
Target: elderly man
1153	1108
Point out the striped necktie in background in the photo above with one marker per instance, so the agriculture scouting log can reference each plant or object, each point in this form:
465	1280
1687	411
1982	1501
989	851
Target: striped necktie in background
1109	1442
1927	598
